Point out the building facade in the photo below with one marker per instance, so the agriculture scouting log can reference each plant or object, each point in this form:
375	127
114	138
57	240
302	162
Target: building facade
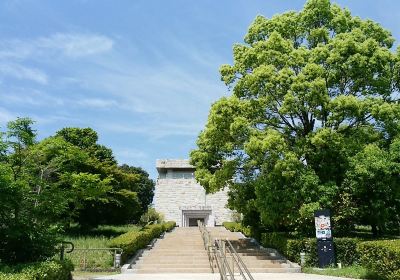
180	198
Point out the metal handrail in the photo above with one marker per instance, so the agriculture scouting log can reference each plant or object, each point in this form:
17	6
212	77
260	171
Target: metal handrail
207	243
238	260
220	249
216	251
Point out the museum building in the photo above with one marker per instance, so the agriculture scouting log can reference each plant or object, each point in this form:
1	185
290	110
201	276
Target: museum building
180	198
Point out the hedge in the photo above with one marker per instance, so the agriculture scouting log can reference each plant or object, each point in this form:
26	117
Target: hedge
47	270
237	227
132	241
345	248
381	257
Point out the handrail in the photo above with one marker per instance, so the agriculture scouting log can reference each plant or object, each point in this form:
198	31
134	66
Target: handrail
216	251
241	265
220	245
207	244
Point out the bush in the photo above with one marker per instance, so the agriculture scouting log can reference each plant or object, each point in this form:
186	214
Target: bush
151	217
237	227
345	248
132	241
381	257
48	270
168	226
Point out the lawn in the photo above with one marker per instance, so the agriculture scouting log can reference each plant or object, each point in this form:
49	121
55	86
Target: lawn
354	271
94	260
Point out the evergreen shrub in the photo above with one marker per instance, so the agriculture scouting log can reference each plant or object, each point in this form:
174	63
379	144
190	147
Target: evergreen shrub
345	248
47	270
381	257
132	241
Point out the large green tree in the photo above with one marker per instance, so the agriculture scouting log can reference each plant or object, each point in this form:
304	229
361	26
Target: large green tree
311	90
45	185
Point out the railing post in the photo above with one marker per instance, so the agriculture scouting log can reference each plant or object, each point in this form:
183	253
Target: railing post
62	252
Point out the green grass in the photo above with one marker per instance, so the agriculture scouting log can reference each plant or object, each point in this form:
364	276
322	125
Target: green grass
85	275
353	271
94	238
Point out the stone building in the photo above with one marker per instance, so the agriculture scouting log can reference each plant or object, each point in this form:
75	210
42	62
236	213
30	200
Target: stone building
180	198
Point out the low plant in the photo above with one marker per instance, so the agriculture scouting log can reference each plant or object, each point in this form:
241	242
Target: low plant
381	257
354	271
132	241
99	237
238	227
151	217
345	248
47	270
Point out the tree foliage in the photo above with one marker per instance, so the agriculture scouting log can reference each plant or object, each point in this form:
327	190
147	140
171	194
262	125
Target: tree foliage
67	178
314	100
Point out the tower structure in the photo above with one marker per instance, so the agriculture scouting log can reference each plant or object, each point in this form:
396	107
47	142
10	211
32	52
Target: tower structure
180	198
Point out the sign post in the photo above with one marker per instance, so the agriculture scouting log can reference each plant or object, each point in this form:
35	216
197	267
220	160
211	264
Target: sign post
323	232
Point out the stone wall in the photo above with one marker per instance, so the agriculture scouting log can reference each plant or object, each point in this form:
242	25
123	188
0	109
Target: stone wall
173	195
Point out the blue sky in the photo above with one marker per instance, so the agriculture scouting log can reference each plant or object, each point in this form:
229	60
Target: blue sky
142	73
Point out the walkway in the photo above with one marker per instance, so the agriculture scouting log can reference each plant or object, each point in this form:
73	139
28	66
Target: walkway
215	276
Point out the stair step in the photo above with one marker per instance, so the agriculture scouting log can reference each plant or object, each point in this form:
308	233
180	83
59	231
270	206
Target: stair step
174	270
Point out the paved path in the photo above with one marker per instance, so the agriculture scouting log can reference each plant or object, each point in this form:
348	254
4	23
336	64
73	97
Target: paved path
215	276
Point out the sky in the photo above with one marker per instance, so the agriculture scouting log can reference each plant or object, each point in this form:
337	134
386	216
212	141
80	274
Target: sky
142	73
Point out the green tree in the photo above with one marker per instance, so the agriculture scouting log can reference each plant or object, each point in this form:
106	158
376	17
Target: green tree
310	90
144	186
374	183
27	231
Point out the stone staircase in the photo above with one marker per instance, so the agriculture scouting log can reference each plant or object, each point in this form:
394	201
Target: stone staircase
180	251
256	258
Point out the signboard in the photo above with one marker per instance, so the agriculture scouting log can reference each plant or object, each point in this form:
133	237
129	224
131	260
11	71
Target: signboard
323	232
323	227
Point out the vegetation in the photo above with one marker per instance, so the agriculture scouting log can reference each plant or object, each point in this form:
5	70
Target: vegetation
354	271
151	217
46	186
48	270
132	241
238	227
94	238
312	122
381	257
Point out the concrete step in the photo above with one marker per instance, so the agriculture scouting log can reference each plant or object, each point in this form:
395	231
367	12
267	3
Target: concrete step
192	262
177	265
174	270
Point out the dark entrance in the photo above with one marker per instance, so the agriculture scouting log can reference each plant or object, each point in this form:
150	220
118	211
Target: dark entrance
193	221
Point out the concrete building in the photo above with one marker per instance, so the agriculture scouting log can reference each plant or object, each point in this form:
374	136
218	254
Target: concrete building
180	198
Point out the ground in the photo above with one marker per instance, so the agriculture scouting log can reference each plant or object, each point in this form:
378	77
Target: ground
215	276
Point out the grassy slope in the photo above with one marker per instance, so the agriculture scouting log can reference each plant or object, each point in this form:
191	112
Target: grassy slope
95	238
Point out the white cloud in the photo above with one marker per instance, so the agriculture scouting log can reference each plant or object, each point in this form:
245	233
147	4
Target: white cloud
153	130
29	97
23	73
76	45
97	103
67	44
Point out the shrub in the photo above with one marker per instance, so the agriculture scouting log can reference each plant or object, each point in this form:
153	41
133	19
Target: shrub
345	248
168	226
237	227
381	257
47	270
132	241
151	217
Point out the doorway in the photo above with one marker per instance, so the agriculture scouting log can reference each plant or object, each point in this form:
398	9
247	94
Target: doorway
193	221
190	217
